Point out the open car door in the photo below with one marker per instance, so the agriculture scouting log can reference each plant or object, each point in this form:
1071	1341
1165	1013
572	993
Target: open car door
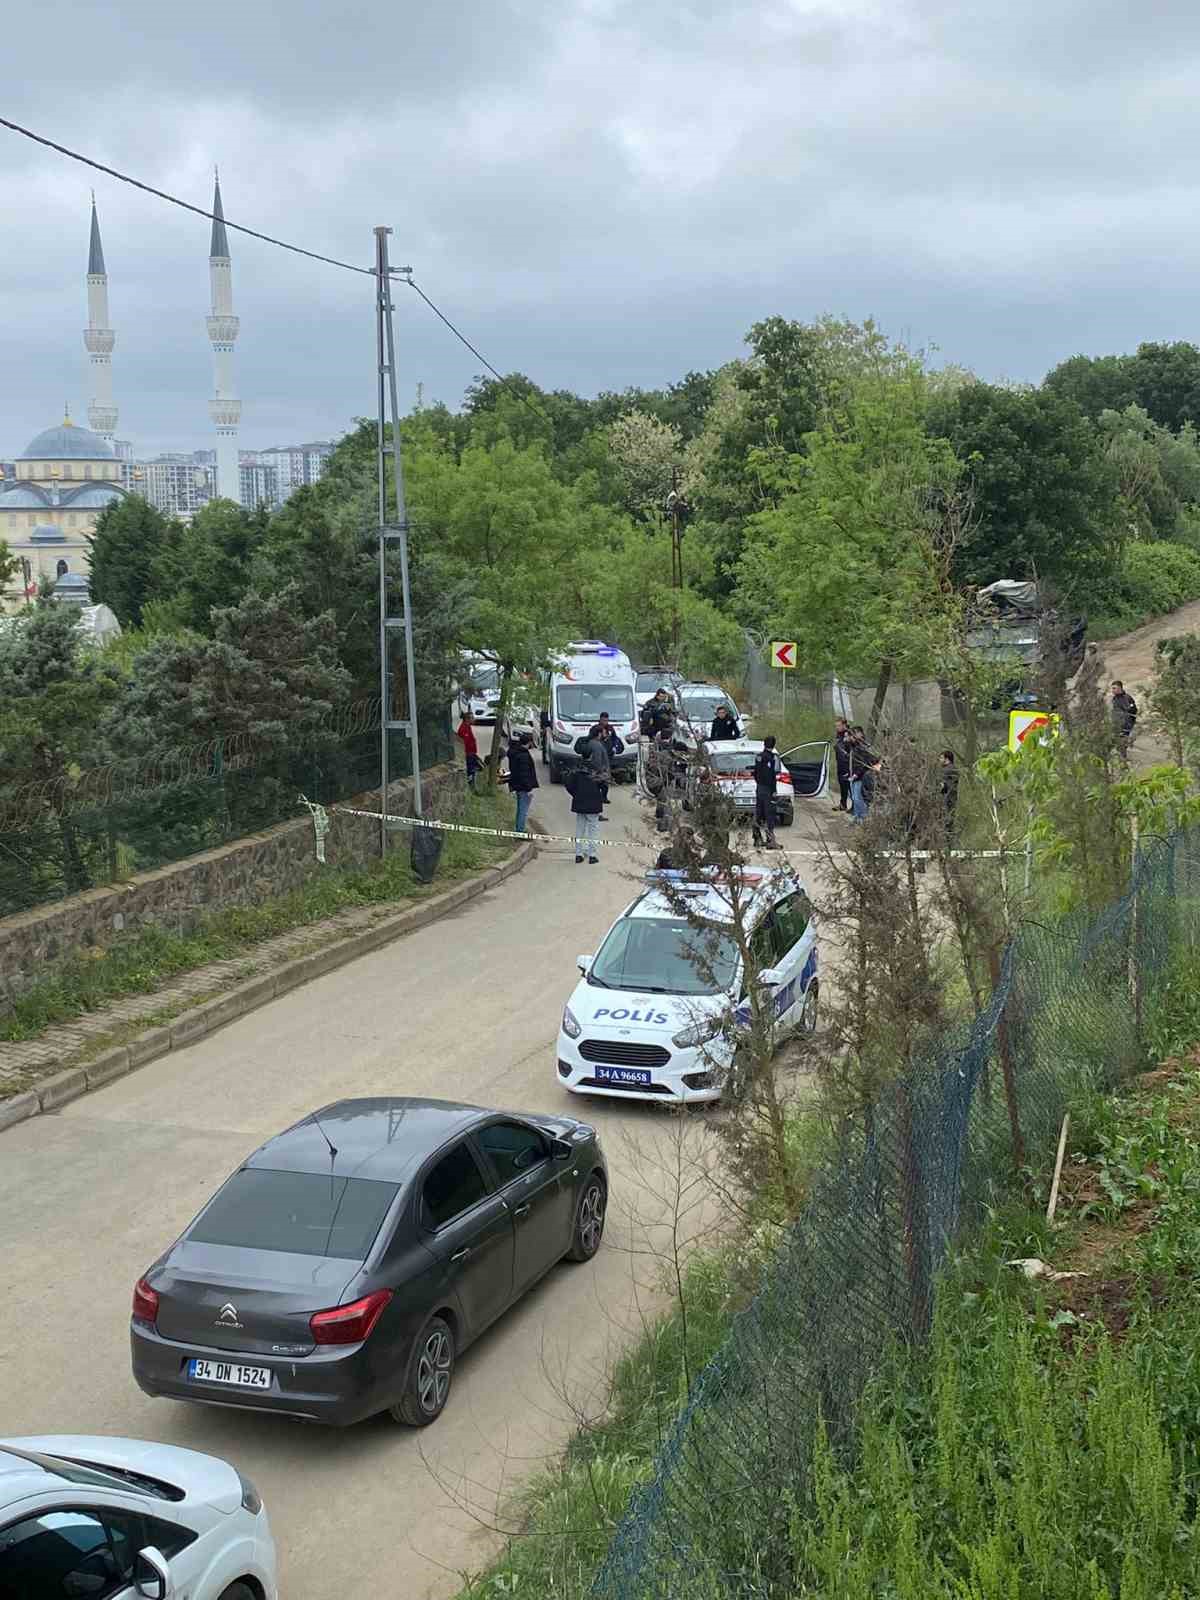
808	765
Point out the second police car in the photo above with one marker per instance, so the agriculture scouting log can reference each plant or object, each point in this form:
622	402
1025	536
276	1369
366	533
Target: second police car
647	1019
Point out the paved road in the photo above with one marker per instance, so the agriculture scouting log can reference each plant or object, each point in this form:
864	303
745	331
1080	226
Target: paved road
467	1009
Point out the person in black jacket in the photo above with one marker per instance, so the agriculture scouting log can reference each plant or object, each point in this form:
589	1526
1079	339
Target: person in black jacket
593	752
864	766
658	714
724	725
767	767
841	753
587	802
522	777
612	742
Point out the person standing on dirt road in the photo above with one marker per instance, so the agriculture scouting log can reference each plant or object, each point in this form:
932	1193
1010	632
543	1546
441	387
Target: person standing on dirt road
1124	714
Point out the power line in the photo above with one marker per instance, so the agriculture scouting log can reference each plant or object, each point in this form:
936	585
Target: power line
161	194
462	338
331	261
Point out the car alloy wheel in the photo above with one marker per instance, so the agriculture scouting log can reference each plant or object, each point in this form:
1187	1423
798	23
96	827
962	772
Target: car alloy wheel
430	1376
589	1221
434	1366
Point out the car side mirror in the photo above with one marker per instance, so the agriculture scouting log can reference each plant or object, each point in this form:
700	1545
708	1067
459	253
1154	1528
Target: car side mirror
584	963
561	1149
151	1575
770	977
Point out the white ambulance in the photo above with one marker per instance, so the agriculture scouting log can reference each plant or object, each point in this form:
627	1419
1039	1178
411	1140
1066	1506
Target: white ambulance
591	677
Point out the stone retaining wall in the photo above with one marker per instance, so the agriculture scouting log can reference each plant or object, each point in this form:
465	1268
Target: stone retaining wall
258	867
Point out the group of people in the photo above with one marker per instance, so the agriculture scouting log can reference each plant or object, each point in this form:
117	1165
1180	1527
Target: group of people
587	784
860	775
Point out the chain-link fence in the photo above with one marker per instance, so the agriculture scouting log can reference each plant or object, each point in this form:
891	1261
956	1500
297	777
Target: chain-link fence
102	825
858	1270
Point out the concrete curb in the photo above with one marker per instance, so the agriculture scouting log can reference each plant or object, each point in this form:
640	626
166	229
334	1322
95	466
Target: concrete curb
202	1020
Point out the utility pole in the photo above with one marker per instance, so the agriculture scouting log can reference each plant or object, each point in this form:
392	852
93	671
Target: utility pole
677	510
391	533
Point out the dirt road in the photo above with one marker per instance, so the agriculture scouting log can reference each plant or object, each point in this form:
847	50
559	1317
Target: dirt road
1131	658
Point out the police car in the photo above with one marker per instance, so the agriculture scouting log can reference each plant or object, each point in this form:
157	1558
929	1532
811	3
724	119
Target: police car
648	1021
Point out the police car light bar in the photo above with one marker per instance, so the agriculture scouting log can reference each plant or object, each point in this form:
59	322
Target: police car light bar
675	877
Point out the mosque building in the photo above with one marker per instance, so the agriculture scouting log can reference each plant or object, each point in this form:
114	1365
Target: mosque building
67	475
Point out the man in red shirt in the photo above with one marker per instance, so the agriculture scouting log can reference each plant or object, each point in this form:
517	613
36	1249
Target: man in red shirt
466	732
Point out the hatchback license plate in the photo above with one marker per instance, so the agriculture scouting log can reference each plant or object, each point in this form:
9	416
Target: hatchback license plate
231	1372
636	1075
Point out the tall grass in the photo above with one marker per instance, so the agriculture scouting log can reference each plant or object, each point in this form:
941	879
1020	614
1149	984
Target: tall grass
1030	1453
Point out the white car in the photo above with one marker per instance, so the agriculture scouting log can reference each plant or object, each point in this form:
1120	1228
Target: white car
118	1518
480	694
698	704
646	1022
729	764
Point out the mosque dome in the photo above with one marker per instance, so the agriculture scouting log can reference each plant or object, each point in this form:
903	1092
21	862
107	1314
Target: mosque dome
66	442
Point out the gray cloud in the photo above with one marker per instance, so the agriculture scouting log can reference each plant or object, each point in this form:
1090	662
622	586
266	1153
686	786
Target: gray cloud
601	193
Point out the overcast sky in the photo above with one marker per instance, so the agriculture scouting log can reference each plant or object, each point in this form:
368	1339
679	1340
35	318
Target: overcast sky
600	192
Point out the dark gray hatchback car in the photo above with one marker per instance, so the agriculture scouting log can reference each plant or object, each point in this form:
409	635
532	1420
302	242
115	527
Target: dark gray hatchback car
347	1263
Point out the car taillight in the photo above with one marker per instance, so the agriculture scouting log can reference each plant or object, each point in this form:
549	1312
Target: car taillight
349	1324
786	777
145	1303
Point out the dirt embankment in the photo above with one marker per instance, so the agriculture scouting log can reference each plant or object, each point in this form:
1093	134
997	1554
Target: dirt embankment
1131	658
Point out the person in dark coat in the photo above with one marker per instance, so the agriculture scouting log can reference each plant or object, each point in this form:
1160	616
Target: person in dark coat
593	752
841	753
612	742
725	725
864	767
522	777
658	714
1124	714
767	767
586	804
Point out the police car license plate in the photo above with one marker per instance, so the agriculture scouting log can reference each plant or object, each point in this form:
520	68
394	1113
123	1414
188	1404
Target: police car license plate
230	1372
633	1075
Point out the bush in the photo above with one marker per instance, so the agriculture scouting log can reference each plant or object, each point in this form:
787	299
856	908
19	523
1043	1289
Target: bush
1154	577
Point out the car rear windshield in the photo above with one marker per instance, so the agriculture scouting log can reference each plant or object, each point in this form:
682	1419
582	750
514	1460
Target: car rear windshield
484	678
651	682
736	761
583	702
656	954
303	1213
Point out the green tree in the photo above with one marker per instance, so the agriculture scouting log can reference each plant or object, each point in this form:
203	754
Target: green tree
9	565
1044	492
207	564
853	562
1175	696
127	550
267	671
510	533
1094	383
53	694
1166	382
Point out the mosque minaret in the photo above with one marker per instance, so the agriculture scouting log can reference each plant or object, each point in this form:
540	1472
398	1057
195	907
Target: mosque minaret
223	408
99	340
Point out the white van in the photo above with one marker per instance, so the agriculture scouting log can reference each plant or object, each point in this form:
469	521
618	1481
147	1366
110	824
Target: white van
590	678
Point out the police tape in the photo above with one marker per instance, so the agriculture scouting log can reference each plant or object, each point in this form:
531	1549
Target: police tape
635	844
